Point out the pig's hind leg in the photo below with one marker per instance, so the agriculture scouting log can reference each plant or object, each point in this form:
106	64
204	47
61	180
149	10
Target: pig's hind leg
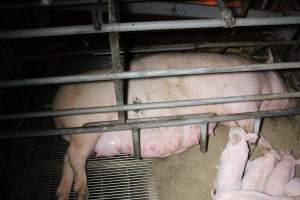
65	185
81	146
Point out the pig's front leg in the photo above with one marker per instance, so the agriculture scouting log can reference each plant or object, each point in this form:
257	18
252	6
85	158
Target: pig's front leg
80	148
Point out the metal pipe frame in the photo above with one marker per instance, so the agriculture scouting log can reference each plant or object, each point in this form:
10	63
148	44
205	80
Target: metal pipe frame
149	106
55	4
226	13
164	48
147	26
114	41
203	137
257	125
136	143
147	124
146	74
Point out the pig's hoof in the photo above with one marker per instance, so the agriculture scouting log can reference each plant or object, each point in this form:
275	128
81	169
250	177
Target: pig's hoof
62	196
82	196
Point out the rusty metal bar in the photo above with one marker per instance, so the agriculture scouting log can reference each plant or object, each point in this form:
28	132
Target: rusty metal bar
114	17
136	143
163	48
147	124
147	26
146	74
203	137
149	106
226	14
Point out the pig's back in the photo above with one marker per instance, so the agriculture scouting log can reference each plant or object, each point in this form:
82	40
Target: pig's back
196	86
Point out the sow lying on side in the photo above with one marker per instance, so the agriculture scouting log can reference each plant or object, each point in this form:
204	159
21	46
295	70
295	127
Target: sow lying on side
158	142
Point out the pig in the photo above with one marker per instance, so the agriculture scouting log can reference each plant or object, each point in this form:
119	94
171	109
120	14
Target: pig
247	195
158	142
293	187
233	160
259	170
282	174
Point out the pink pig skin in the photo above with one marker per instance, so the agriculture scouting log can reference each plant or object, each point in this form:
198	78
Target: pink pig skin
293	188
233	160
258	172
161	141
247	195
281	175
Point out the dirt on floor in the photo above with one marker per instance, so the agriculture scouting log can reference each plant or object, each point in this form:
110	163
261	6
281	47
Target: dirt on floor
189	175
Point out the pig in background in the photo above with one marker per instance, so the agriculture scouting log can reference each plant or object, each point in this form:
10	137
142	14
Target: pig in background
161	141
283	173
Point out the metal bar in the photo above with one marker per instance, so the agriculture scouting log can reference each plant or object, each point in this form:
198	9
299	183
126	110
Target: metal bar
221	4
54	4
203	137
97	15
194	24
245	7
147	26
146	74
163	48
257	125
175	9
144	125
149	106
136	143
113	11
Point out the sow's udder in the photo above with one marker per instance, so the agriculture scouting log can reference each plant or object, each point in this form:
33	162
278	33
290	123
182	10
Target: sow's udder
155	142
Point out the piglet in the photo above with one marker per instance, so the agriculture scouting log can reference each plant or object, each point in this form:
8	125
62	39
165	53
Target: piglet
282	174
247	195
233	160
293	188
258	171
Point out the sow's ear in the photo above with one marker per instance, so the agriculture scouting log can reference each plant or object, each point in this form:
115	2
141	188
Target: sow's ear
251	137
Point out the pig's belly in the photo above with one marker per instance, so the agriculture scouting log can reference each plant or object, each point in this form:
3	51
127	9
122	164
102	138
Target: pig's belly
155	142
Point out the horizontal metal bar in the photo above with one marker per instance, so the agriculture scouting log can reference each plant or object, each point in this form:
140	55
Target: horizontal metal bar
145	125
175	9
146	74
148	106
162	48
54	4
147	119
147	26
195	24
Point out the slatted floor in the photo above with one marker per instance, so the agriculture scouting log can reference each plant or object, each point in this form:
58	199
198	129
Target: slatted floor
119	177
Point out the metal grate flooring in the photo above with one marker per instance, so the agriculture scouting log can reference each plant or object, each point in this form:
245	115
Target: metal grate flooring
119	177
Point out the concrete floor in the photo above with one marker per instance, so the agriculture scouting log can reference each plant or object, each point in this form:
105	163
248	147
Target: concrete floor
189	175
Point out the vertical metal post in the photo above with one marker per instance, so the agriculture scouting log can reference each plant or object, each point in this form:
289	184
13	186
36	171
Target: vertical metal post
245	7
97	16
203	137
136	143
226	13
113	11
257	125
